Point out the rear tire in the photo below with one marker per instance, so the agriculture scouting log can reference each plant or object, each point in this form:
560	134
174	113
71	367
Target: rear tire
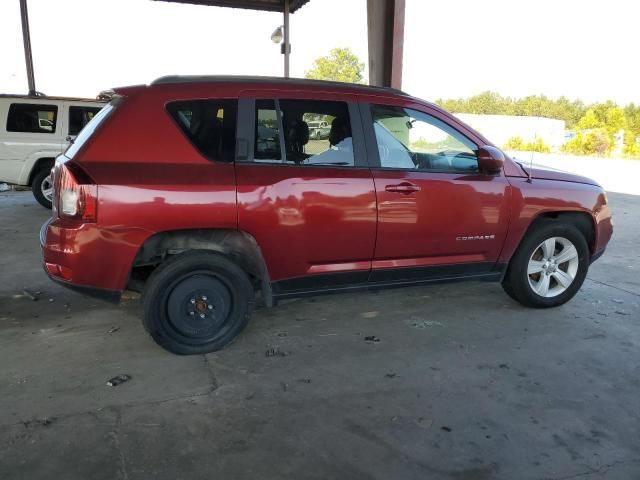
197	302
42	187
549	266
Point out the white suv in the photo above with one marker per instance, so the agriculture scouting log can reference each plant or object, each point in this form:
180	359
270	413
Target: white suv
33	132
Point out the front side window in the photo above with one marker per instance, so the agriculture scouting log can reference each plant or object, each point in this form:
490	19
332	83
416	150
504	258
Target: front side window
314	132
210	125
412	140
32	118
79	117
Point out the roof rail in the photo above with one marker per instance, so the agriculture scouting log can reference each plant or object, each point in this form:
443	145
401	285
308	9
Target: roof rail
176	79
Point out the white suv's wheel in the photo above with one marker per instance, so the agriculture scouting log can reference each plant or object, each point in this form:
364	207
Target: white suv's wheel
549	266
42	187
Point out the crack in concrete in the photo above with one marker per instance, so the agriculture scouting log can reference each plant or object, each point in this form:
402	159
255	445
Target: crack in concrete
115	407
122	469
602	469
212	377
614	287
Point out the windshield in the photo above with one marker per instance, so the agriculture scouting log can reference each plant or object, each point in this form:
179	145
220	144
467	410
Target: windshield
90	128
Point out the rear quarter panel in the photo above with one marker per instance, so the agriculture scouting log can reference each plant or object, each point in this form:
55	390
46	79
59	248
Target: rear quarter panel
152	179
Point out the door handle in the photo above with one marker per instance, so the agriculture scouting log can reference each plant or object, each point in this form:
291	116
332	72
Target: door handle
404	187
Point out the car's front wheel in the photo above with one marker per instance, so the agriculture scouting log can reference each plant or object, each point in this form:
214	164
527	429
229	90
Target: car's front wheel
197	302
42	187
549	266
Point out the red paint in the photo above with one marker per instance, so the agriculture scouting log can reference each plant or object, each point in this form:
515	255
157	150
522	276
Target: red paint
323	216
306	220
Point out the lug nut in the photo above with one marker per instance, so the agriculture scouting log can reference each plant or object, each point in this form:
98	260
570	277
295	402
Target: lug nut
210	307
202	315
191	313
204	298
193	300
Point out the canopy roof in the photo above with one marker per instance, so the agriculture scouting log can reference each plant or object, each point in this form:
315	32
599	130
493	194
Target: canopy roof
268	5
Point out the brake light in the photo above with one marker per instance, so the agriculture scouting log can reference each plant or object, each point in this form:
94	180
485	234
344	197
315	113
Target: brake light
75	200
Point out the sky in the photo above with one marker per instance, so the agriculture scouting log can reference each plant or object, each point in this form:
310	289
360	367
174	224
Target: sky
586	50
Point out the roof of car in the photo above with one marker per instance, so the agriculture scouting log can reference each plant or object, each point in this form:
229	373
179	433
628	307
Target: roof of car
181	79
50	98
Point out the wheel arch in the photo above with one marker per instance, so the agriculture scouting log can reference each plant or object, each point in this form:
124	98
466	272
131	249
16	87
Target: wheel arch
582	220
237	245
38	165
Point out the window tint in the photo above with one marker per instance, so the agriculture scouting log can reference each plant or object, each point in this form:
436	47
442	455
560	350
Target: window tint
315	132
209	124
79	117
408	139
32	118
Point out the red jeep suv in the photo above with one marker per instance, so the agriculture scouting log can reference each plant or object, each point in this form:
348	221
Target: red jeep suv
201	192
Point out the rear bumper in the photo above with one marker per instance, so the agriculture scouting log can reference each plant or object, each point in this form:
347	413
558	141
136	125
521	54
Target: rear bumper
87	258
111	296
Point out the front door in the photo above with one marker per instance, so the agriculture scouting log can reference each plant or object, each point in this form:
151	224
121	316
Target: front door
305	191
438	215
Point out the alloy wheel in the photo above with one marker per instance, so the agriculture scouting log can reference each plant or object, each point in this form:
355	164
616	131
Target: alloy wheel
553	267
46	187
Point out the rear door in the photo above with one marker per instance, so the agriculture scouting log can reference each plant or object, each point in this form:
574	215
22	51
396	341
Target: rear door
309	202
439	216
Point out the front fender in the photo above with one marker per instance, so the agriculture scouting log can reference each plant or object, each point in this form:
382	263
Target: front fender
531	201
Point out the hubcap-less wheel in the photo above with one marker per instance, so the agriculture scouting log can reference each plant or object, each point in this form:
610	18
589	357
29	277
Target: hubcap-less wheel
46	187
198	306
553	267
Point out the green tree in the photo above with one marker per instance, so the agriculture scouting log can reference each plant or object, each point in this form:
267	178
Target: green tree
589	120
341	65
598	142
514	143
615	120
575	146
517	143
592	122
537	145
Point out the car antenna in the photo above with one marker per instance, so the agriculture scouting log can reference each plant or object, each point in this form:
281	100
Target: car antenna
530	171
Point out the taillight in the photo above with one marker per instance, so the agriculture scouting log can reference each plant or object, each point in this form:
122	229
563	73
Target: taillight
75	200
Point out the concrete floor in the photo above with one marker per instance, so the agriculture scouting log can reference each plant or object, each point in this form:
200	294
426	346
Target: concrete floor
463	384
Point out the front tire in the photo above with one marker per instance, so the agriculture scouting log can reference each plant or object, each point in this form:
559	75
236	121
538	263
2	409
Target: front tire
42	187
549	266
197	302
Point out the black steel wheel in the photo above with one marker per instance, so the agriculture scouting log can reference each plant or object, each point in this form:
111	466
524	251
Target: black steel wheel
197	302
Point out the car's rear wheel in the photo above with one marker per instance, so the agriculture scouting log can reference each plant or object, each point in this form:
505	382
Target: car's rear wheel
42	187
197	302
549	266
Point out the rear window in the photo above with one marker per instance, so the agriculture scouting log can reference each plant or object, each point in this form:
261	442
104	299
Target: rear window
32	118
91	127
210	125
79	117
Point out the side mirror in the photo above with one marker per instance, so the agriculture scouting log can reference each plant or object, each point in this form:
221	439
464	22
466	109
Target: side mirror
490	160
